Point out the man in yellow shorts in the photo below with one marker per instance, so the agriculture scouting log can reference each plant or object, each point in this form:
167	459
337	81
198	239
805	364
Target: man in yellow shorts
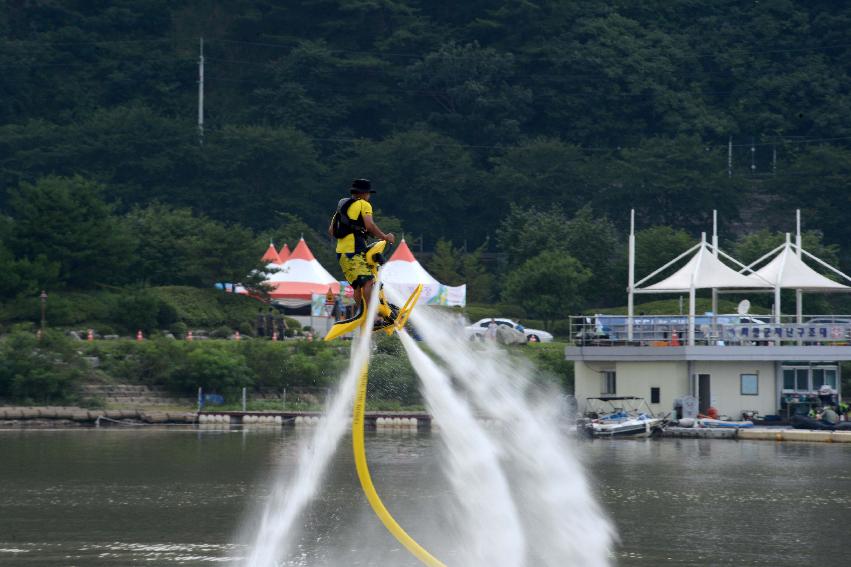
351	225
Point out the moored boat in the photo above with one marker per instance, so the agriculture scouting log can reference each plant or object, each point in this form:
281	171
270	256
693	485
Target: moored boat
619	416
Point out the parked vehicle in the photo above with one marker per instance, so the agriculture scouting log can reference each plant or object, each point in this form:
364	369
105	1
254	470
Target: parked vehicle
479	329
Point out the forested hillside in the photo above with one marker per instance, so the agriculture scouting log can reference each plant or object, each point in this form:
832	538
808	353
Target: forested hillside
508	128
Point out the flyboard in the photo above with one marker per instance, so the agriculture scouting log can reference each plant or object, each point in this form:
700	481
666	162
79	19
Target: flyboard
395	318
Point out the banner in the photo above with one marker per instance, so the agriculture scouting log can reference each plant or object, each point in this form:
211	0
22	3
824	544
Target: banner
788	332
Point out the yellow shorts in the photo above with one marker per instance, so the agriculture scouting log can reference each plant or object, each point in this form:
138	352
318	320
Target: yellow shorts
355	269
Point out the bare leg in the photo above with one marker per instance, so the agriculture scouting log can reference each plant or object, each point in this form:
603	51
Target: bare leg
366	293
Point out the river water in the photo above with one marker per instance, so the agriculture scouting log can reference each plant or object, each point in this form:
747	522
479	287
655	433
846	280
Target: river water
116	497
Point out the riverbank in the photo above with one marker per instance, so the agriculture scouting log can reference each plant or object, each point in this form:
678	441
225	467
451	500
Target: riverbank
60	417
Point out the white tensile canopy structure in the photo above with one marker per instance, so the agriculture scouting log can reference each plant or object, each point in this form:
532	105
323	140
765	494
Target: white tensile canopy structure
704	270
300	277
786	270
403	273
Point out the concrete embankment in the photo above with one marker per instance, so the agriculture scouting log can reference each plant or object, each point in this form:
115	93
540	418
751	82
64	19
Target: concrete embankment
14	416
760	434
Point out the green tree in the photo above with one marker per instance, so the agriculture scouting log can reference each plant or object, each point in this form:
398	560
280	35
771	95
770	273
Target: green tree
548	286
445	263
478	280
525	233
595	243
473	93
420	177
543	172
656	246
66	221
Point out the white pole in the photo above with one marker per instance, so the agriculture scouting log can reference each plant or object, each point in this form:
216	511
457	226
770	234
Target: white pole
244	390
691	309
779	282
692	296
630	288
201	94
799	294
715	252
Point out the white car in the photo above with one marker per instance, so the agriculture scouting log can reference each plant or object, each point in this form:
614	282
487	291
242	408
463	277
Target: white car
479	329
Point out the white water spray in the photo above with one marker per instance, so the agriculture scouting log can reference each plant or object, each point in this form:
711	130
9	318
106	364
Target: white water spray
492	534
276	528
562	522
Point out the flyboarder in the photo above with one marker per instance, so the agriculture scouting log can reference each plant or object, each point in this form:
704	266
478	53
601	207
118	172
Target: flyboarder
351	225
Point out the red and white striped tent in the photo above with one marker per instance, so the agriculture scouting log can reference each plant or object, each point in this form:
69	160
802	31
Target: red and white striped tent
301	276
271	258
403	273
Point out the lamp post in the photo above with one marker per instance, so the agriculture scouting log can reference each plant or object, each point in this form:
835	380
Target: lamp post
43	298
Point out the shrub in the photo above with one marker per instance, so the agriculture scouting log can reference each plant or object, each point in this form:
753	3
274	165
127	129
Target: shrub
137	311
41	371
216	369
178	329
393	378
222	332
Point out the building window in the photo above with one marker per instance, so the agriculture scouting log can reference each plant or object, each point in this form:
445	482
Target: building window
802	380
788	379
824	377
749	384
655	395
609	383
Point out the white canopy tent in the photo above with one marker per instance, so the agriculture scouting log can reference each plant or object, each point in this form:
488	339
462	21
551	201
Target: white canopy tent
402	273
704	270
787	270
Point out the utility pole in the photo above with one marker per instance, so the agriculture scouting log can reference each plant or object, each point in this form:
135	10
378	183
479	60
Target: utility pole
774	160
730	157
43	298
753	155
201	95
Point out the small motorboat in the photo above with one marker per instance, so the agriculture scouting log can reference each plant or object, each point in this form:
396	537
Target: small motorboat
619	416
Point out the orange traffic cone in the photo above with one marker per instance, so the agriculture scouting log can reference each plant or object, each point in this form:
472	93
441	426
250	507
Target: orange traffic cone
236	335
675	339
90	335
189	336
139	335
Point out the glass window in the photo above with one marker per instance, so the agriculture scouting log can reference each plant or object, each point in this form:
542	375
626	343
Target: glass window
830	378
788	379
609	382
655	395
818	378
749	384
802	380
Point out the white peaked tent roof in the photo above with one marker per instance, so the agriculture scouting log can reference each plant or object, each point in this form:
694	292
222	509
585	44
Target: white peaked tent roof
302	267
704	270
788	271
402	268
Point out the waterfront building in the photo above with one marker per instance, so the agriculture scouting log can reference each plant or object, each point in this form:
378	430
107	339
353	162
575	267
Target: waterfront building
741	364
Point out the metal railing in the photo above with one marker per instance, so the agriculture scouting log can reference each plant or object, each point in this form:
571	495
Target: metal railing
720	330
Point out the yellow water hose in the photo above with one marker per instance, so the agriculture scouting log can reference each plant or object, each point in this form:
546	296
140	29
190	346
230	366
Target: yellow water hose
366	480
